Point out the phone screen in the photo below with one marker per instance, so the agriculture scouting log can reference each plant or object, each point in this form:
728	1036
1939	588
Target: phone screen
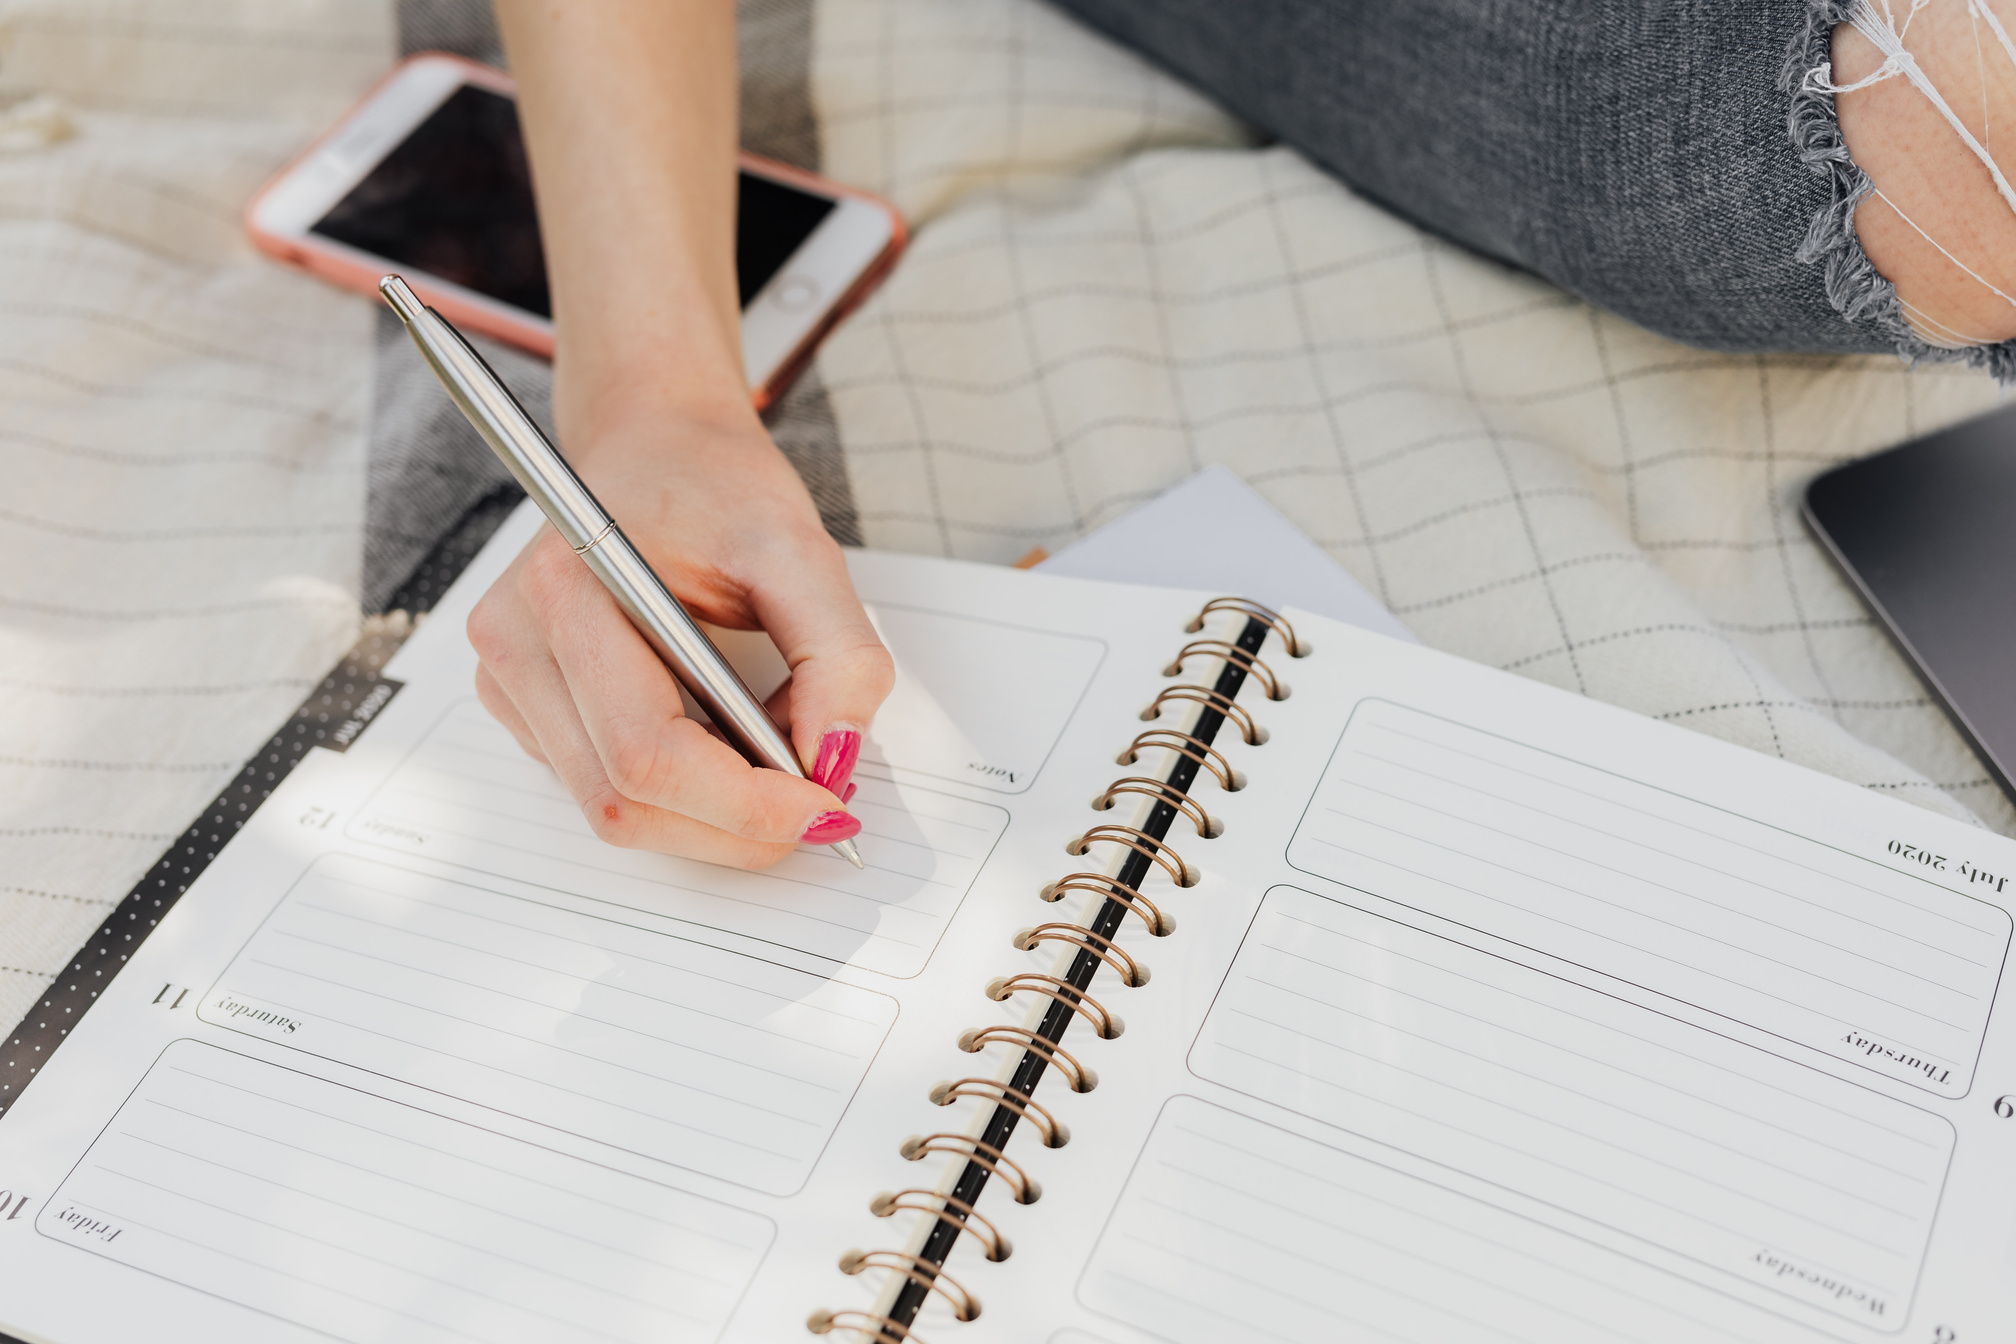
455	200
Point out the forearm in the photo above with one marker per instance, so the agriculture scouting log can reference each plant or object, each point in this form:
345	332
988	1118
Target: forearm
629	110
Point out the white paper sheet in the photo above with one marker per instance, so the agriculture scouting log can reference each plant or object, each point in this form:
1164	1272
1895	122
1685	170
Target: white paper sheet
1496	1015
425	926
1252	550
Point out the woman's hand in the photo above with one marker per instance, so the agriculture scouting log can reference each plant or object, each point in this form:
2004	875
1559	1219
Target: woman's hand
629	115
723	518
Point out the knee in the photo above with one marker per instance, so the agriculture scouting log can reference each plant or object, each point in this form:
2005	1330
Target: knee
1937	226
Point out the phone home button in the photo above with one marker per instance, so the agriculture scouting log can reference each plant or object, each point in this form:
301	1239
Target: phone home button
796	292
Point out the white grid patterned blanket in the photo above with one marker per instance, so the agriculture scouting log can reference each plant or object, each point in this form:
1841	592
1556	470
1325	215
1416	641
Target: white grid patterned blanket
1111	285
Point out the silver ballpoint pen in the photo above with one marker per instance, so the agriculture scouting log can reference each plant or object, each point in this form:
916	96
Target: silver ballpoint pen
587	527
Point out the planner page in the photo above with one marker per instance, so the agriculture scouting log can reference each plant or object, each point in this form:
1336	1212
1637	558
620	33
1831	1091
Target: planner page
1501	1016
419	1058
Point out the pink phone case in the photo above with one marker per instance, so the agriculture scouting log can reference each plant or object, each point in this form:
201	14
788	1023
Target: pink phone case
345	271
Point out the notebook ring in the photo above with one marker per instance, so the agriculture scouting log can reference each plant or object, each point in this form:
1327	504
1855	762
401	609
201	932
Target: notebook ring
1104	1021
930	1277
920	1146
1208	827
975	1039
1055	1132
1142	843
952	1214
1197	749
1231	653
1160	924
1131	972
892	1202
1252	611
888	1330
1252	732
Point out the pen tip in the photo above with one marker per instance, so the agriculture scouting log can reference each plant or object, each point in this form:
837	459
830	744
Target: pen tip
845	849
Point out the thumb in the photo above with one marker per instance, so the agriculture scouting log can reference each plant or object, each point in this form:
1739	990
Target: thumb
840	672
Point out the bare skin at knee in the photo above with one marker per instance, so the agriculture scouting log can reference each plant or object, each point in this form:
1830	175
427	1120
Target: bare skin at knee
1929	175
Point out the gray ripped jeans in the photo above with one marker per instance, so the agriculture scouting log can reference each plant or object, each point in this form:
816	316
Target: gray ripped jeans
1656	157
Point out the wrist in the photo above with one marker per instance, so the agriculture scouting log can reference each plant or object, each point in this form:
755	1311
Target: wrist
618	417
658	351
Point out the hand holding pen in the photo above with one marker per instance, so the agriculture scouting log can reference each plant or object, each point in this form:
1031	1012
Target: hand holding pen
577	637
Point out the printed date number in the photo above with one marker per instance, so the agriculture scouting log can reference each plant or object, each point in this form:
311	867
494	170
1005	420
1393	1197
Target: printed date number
1940	863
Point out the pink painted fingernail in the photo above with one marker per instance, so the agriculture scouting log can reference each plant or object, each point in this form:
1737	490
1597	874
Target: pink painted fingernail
839	750
848	796
830	826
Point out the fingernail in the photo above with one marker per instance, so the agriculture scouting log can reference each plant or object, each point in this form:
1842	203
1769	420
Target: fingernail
839	750
830	826
848	796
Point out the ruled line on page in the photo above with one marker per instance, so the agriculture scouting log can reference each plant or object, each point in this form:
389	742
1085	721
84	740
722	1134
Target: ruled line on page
788	926
683	1047
1638	1043
629	953
623	989
1736	982
1716	910
1230	1228
1747	880
1645	1125
1676	925
612	1031
489	1210
407	1140
371	1220
468	795
1939	985
1948	916
534	1078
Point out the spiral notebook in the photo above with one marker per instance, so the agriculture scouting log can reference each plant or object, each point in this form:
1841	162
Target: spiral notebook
1216	974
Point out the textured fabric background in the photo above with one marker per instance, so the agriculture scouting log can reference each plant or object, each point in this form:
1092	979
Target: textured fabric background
1112	284
1633	152
213	461
182	429
428	467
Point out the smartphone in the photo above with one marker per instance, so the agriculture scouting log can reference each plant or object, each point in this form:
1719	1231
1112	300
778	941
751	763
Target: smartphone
1925	532
427	176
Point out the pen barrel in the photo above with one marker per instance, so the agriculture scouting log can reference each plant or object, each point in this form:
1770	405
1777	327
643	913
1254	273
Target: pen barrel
586	526
512	434
685	648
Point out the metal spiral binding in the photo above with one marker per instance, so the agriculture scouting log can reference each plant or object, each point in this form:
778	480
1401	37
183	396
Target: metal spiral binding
1160	923
1144	848
1055	1133
976	1152
891	1202
1147	846
1276	688
1131	972
1207	829
1203	753
976	1039
1212	700
928	1277
886	1329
